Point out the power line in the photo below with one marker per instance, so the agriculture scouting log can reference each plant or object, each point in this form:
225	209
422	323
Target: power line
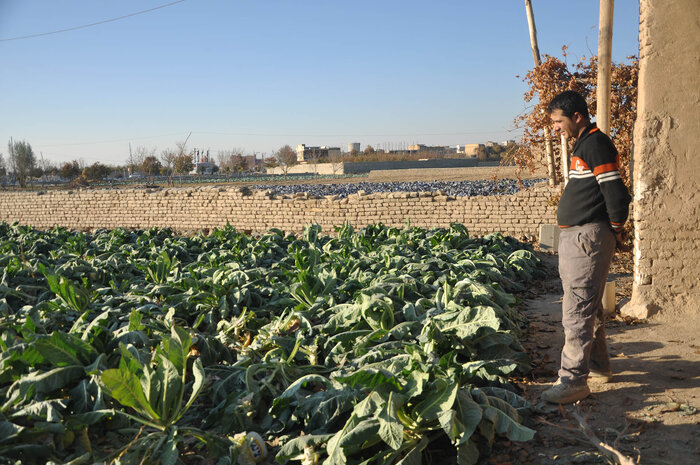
92	24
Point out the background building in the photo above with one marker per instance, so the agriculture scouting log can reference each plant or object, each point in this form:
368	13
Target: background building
305	154
471	150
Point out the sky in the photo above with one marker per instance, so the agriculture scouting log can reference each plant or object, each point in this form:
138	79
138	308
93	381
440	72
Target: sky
88	79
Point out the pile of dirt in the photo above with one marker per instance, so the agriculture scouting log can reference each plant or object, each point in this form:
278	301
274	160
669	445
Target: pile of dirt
649	410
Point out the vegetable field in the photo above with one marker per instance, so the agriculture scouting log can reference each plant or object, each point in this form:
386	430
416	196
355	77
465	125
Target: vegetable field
370	347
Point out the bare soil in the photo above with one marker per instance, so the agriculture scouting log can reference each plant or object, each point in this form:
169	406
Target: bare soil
649	410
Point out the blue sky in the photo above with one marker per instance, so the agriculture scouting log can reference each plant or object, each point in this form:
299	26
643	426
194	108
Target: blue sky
259	74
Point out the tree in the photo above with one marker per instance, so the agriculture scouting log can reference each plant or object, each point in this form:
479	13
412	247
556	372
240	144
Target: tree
285	158
151	166
3	170
138	157
70	170
183	164
182	161
22	160
231	161
314	159
554	76
168	156
96	172
336	160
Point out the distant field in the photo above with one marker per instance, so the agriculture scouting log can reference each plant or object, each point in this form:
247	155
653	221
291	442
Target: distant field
452	174
434	174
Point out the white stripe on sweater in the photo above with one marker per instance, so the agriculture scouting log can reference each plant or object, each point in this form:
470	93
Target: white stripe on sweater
609	176
580	174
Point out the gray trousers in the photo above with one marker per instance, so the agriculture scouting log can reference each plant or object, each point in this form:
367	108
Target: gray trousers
585	253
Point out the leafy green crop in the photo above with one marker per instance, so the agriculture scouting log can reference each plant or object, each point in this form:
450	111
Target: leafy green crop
363	348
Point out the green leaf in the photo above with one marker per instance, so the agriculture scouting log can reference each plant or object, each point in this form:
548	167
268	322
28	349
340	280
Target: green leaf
461	421
523	406
82	420
125	387
365	434
170	454
415	453
377	310
95	323
415	383
469	414
292	392
62	349
506	425
321	410
170	384
177	347
390	428
467	454
199	379
49	410
439	397
468	323
369	379
370	405
9	431
41	383
294	449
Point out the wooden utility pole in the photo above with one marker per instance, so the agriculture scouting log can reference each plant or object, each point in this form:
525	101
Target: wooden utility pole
538	61
605	31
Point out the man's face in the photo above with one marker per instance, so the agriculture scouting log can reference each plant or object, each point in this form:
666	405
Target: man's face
568	127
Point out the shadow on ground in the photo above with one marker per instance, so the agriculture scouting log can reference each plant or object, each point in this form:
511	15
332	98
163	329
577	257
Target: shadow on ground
649	410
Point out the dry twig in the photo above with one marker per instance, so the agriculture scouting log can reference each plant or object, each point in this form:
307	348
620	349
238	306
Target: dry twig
600	445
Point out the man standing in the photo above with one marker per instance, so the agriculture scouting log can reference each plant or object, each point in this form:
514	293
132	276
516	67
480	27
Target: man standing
592	211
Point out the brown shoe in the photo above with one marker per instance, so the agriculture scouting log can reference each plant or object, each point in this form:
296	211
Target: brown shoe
563	393
599	377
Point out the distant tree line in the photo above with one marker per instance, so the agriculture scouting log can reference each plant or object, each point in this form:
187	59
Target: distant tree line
22	165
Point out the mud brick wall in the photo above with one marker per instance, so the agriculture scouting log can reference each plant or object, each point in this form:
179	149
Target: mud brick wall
194	209
666	163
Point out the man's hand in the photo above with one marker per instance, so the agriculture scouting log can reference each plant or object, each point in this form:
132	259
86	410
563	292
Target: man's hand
621	243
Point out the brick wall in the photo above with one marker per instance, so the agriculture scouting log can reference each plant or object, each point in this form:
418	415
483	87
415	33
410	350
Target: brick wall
192	209
666	165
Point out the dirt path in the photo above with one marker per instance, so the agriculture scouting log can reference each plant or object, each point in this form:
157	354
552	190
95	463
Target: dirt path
653	397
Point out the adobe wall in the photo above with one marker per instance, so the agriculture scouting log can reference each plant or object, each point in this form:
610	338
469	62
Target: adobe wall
192	209
666	161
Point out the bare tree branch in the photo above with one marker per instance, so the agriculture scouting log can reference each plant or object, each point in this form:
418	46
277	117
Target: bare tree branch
604	448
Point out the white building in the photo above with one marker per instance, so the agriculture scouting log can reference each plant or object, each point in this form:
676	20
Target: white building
305	154
204	167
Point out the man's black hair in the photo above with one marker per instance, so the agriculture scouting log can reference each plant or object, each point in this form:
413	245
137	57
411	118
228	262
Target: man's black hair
569	102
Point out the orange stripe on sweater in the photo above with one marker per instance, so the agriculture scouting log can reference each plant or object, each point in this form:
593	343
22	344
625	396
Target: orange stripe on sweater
606	168
578	164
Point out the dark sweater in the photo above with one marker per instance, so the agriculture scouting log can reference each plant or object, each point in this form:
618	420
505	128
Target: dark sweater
595	191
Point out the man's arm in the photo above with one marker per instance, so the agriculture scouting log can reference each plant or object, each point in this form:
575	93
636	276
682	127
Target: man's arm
605	166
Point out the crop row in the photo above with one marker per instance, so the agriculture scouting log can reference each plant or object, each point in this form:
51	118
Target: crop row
367	347
452	188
